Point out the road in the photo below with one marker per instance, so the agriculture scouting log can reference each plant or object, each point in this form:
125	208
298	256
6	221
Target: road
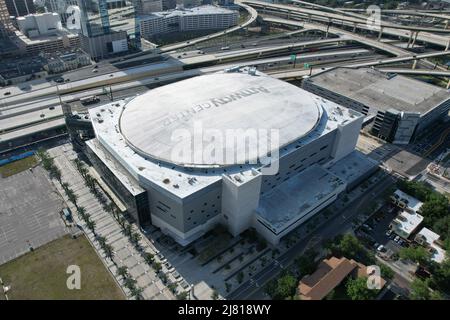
340	223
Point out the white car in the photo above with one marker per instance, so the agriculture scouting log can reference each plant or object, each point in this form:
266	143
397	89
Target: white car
397	239
381	248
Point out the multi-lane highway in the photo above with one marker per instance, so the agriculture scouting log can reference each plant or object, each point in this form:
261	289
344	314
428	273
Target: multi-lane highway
411	33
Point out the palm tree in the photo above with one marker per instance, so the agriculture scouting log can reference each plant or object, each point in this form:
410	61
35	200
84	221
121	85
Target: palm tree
42	154
135	238
55	172
122	221
122	271
156	266
108	251
81	212
130	283
128	229
77	163
137	293
65	186
109	207
91	225
89	181
101	240
72	197
83	171
148	257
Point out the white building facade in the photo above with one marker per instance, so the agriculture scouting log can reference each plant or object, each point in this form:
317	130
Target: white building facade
182	20
186	197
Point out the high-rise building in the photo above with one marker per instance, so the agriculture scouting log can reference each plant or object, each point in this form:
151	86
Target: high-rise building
169	4
108	29
19	8
148	6
5	22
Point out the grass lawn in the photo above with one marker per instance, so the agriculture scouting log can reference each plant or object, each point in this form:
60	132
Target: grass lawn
42	274
17	166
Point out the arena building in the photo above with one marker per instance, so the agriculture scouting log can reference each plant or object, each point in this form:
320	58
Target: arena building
236	147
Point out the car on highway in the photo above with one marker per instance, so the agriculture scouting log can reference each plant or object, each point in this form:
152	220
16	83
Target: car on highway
94	70
225	48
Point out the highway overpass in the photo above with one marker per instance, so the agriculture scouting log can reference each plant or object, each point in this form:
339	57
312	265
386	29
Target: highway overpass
408	32
252	13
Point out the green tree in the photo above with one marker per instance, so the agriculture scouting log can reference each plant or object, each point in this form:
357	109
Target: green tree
136	292
109	253
182	295
122	271
156	266
441	275
91	225
135	238
283	288
350	246
148	257
416	254
81	212
306	263
436	295
419	290
386	272
357	289
215	295
240	277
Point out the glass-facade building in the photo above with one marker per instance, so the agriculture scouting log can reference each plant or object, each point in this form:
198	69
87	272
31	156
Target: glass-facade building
108	26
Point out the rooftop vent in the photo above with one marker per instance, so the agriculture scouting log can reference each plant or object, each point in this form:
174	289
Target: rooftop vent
176	186
166	181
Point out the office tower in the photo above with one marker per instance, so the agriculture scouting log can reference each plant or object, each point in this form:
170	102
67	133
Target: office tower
106	29
5	22
18	8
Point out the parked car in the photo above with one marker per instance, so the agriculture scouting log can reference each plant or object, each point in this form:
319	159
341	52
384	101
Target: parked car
388	233
397	239
381	248
169	267
176	275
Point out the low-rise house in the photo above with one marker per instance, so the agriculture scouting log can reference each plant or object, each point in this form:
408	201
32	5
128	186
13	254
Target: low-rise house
430	240
330	273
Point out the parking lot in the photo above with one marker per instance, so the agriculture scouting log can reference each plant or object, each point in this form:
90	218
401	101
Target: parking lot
376	231
29	213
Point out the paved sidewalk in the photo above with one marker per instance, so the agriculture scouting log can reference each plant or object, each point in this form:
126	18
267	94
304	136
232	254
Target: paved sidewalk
125	253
